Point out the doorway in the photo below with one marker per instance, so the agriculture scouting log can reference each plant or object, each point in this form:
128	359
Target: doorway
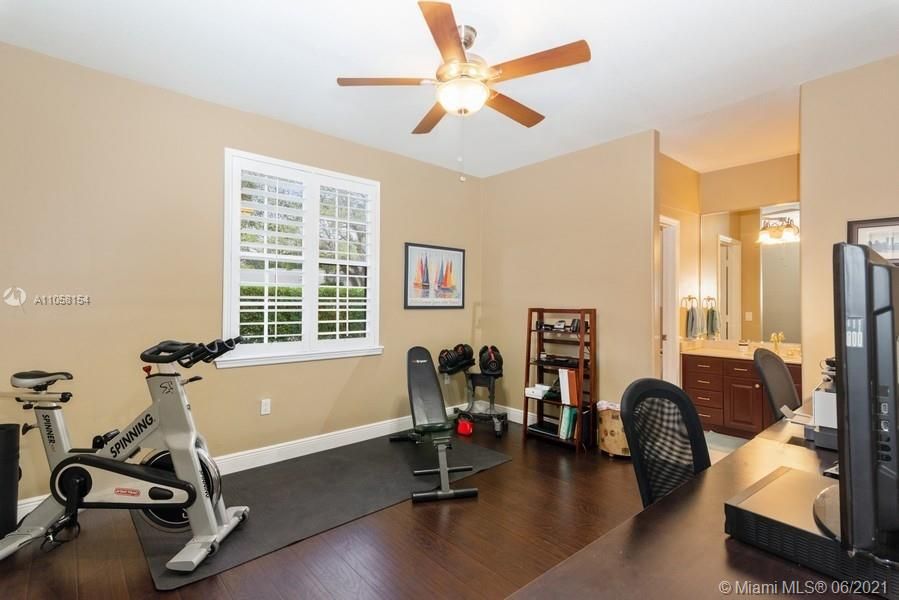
730	288
668	301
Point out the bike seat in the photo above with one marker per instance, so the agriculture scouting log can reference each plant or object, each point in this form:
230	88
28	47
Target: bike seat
37	380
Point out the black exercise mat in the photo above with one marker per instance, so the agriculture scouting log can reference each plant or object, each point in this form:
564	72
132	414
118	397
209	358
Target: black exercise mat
301	497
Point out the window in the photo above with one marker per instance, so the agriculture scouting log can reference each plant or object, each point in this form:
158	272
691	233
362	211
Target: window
301	262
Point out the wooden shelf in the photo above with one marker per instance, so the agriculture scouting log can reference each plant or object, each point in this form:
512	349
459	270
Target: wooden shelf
556	402
552	332
545	435
582	346
566	341
534	363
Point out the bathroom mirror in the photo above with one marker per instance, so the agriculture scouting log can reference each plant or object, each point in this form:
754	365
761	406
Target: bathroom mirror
749	274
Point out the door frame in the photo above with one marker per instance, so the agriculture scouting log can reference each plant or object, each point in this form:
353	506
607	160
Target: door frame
735	284
669	301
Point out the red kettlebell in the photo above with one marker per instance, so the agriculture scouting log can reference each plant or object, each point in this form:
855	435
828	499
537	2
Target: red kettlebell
464	426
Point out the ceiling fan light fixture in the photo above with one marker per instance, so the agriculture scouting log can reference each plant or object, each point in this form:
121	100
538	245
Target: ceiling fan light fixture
463	95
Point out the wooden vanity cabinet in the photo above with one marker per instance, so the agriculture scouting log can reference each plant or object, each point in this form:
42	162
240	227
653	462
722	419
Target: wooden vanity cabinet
728	393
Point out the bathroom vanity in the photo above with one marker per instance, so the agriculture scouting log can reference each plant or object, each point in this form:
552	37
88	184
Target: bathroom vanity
727	390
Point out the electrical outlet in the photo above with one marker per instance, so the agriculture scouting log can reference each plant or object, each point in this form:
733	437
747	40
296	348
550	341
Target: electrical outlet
265	406
748	316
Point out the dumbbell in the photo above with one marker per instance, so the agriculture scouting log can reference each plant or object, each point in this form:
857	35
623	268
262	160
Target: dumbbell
447	358
464	352
491	361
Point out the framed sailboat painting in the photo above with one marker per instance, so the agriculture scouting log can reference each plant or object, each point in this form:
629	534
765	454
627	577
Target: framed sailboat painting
435	277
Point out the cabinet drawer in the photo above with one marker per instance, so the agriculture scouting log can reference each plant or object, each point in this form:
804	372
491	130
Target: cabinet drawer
702	381
706	398
744	369
702	364
710	416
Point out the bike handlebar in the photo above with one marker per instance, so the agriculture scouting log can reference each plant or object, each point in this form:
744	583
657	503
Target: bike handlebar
187	354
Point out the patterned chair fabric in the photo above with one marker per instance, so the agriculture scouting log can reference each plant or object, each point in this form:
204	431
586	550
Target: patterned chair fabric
665	436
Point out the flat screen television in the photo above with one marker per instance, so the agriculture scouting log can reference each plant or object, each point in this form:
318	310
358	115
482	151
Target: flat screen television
866	319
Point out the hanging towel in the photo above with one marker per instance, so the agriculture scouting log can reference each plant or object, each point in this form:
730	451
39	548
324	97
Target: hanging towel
690	324
694	324
712	322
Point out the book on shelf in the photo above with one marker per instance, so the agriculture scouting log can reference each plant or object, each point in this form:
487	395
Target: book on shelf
568	422
569	388
564	422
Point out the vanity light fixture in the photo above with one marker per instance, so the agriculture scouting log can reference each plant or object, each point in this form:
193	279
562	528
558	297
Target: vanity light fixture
780	230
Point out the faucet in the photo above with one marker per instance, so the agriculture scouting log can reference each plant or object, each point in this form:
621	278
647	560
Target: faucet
777	339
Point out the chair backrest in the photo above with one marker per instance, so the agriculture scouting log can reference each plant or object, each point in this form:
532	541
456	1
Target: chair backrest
665	437
425	396
778	382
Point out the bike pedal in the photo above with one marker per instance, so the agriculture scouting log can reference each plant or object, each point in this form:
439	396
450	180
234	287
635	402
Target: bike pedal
52	537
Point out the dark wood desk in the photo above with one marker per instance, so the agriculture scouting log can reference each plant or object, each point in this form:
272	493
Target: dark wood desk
677	547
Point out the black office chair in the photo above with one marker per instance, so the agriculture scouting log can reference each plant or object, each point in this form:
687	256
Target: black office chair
778	382
429	421
664	435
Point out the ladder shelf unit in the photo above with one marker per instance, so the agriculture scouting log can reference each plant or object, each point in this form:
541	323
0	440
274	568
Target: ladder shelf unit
579	348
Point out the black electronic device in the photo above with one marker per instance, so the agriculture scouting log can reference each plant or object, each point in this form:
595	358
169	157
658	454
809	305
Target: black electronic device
866	300
773	514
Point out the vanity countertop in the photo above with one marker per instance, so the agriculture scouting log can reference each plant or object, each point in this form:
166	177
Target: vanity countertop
718	352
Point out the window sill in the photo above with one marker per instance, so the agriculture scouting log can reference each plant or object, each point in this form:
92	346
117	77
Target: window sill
228	362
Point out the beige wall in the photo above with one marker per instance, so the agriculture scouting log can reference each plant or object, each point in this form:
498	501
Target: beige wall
677	189
575	231
750	186
750	275
114	189
849	130
714	226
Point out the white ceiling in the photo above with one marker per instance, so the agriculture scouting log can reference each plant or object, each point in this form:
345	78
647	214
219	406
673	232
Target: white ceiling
718	78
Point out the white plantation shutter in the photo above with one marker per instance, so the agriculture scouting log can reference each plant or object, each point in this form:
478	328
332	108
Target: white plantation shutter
344	256
301	262
271	258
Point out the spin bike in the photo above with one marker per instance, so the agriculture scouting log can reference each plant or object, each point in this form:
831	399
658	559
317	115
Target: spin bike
176	487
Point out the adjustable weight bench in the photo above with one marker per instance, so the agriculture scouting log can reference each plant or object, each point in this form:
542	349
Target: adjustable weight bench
429	420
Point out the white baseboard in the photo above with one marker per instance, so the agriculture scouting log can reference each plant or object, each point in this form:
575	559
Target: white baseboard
516	415
257	457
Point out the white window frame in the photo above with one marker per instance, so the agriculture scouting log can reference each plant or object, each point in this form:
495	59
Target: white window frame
311	348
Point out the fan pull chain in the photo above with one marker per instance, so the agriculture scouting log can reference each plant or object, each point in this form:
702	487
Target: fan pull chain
461	157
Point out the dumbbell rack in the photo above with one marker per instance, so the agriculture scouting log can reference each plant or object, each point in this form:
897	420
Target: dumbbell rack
488	382
472	382
583	344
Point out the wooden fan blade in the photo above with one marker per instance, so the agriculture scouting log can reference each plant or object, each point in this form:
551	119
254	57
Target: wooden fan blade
382	80
514	110
442	23
556	58
431	119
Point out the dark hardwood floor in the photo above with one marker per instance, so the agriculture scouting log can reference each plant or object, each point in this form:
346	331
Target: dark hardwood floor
532	512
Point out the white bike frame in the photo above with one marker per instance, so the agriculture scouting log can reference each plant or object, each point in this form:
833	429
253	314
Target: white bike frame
166	424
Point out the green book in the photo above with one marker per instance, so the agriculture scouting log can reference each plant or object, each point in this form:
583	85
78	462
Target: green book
564	421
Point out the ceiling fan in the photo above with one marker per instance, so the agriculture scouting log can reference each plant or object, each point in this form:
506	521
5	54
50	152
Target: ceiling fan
465	81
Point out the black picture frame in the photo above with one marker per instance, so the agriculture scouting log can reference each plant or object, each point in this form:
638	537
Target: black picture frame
889	225
449	302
